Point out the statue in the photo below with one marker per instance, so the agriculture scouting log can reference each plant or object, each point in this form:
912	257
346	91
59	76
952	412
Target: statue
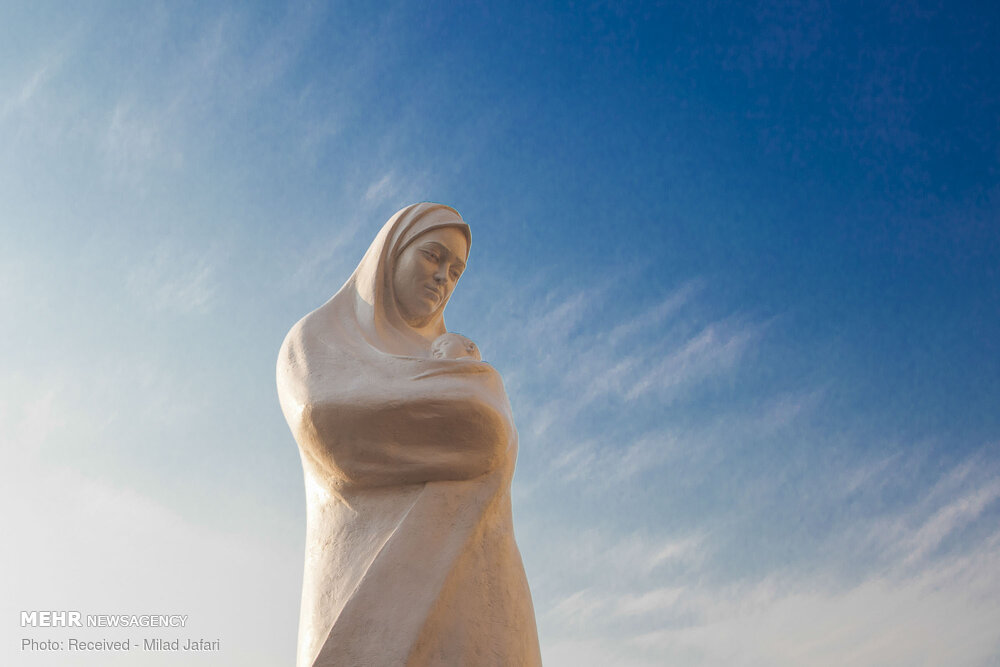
408	448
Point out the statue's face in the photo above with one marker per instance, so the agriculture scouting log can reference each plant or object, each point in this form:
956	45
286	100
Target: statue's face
426	273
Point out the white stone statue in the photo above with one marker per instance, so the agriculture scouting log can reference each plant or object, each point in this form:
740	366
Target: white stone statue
408	448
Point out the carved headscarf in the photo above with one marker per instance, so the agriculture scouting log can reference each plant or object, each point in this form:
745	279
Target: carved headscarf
370	286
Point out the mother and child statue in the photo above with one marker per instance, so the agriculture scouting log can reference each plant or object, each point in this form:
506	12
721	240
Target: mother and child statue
408	447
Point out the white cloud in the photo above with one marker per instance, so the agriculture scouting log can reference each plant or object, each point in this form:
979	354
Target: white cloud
940	608
132	141
84	545
74	542
577	361
609	464
577	608
714	350
561	317
175	281
868	475
656	314
957	500
35	82
666	365
628	563
15	284
326	261
945	614
27	422
648	602
381	190
950	518
686	549
589	652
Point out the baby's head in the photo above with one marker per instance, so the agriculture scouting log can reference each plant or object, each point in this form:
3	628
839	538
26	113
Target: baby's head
454	346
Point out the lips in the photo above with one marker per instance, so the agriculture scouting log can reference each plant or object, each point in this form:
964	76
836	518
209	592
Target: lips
434	291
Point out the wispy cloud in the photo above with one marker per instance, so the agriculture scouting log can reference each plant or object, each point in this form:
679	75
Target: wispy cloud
630	561
104	544
657	314
29	88
869	474
134	141
571	361
637	599
175	281
610	464
328	260
161	563
714	350
14	281
325	260
953	516
27	422
394	185
558	317
945	614
380	190
666	355
957	500
942	607
648	602
35	113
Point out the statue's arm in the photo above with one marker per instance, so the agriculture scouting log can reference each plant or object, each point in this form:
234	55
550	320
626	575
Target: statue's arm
390	443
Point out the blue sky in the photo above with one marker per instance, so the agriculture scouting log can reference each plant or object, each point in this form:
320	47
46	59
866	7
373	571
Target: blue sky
738	264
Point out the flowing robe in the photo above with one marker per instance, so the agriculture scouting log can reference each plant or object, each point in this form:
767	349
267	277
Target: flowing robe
410	552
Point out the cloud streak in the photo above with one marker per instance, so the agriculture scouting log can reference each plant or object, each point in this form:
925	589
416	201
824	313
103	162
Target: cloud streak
942	608
175	281
865	594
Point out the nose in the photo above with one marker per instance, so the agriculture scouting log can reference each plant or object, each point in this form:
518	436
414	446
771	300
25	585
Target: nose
441	275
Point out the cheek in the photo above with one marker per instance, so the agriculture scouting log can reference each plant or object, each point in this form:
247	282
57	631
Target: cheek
407	275
401	285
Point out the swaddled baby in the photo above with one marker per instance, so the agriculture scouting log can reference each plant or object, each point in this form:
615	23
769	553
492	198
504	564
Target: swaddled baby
454	346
